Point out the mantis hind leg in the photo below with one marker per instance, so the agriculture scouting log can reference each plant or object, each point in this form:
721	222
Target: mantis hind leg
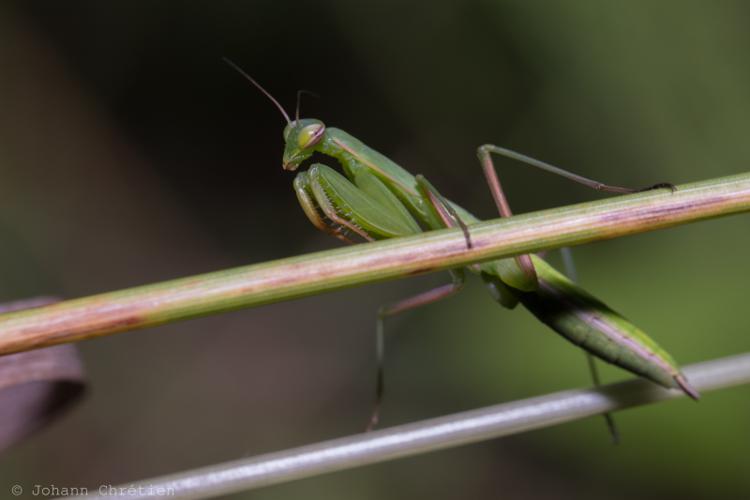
570	269
608	417
485	153
408	304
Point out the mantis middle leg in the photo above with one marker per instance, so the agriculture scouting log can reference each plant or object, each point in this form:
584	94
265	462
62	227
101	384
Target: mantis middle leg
422	299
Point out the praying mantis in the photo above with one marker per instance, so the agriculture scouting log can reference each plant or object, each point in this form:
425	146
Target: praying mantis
377	199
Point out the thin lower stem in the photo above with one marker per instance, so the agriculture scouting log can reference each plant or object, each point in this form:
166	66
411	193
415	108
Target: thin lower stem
425	436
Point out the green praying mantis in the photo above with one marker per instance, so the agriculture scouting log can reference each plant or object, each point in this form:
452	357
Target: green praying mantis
376	199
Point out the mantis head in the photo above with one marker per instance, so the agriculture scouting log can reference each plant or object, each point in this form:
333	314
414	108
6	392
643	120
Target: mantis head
301	138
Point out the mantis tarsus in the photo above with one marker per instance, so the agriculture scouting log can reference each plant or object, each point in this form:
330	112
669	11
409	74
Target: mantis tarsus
377	199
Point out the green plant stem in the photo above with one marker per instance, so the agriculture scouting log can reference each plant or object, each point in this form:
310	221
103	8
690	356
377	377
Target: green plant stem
304	275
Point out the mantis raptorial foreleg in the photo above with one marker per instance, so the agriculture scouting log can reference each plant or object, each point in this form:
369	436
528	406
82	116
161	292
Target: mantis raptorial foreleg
315	212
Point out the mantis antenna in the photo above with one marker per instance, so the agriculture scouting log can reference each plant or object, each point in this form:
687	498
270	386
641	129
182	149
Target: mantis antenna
260	87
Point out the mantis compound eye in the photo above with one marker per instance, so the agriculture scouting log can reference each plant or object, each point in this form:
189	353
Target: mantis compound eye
310	135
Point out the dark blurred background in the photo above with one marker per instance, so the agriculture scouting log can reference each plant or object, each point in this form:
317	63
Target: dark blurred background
130	154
